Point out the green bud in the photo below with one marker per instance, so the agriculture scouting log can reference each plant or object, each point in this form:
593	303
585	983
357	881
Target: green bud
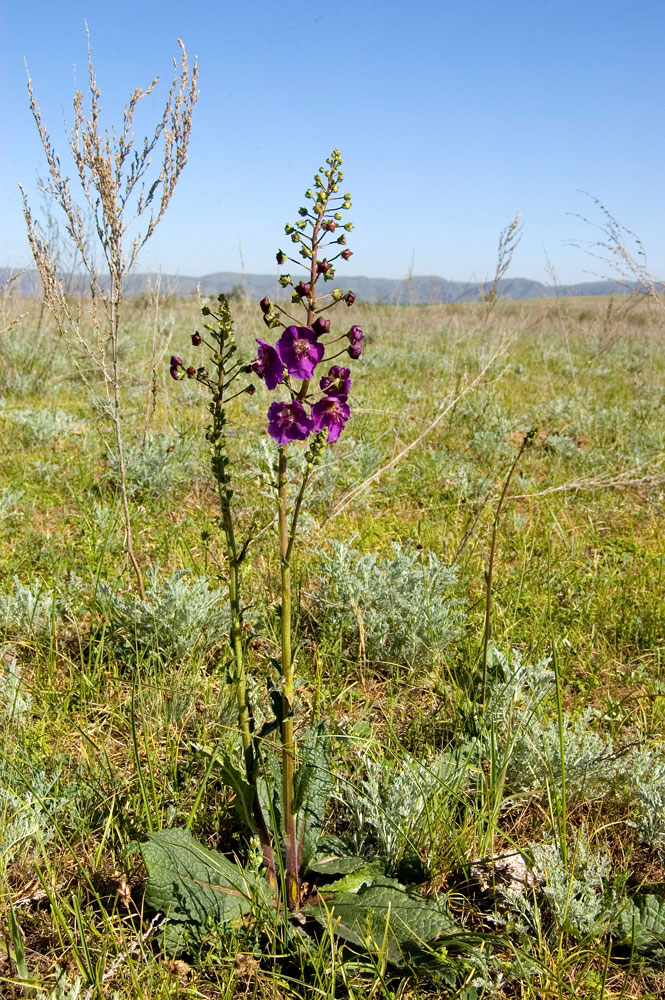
288	229
347	197
335	188
348	227
205	311
295	297
285	280
309	193
305	252
341	239
295	237
209	326
337	294
301	225
302	211
317	180
347	204
337	215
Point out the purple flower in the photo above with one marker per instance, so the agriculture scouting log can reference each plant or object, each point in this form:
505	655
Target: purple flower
355	334
355	350
350	298
320	326
337	382
288	422
265	305
299	351
268	365
331	412
323	266
177	368
303	288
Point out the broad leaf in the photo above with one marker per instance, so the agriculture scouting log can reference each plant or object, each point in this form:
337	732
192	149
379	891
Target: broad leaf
641	924
385	918
197	889
313	785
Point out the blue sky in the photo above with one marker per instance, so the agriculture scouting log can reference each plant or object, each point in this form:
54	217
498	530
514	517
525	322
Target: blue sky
450	118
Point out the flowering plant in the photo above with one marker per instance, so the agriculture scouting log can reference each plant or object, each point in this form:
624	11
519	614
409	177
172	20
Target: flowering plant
312	405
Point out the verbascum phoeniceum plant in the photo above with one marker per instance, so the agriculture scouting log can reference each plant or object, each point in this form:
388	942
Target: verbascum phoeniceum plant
303	367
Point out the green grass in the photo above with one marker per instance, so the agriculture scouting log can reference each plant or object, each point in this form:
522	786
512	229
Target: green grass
98	728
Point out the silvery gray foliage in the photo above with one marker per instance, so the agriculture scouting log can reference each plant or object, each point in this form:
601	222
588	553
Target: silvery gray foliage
400	609
30	610
41	426
176	616
154	465
8	501
577	894
646	778
396	807
15	701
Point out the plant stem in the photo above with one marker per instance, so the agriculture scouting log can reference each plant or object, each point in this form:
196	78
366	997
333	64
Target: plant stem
528	438
288	744
235	607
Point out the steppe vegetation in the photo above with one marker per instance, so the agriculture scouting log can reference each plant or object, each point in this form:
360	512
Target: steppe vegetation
537	813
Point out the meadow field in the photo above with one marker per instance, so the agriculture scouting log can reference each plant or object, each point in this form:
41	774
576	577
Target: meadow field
532	804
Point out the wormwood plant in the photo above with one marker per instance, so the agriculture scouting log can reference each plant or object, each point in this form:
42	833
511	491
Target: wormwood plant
125	197
283	803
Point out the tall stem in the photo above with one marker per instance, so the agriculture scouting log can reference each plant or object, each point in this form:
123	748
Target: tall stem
115	302
288	743
235	607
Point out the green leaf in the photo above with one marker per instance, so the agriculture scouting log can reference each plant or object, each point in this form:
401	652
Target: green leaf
386	919
197	889
641	924
338	865
355	880
313	785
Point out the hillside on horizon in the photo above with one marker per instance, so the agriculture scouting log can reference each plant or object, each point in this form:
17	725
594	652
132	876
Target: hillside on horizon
416	290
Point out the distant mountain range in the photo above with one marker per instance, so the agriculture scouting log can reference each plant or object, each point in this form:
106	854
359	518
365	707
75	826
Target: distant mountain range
418	290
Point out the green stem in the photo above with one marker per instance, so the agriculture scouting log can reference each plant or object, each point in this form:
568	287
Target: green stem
235	607
288	743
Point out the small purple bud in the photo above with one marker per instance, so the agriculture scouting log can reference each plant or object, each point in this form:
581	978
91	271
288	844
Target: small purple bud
175	362
280	257
320	326
330	226
354	350
350	298
323	266
191	372
265	305
196	339
303	288
355	334
346	253
250	390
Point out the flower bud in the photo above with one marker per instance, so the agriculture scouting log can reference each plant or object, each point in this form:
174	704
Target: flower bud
323	266
280	257
196	338
265	305
302	211
348	227
355	334
176	362
347	197
309	193
347	204
337	294
288	229
346	253
191	371
285	280
338	215
303	288
350	298
250	390
205	311
354	351
330	226
295	237
320	326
